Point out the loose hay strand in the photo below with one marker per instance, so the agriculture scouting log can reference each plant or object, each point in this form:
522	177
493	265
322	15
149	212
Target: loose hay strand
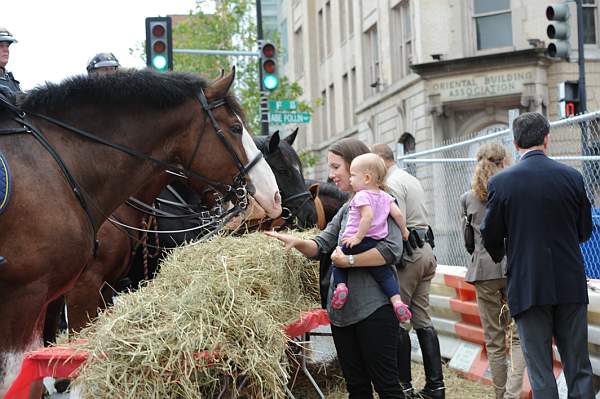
213	316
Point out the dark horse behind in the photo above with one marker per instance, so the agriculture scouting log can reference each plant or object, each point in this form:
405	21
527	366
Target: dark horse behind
87	145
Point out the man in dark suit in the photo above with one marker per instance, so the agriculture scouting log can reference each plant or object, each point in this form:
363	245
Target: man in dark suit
539	213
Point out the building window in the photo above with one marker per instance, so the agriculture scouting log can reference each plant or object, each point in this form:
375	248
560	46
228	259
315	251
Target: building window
321	29
299	56
284	41
493	23
353	97
332	113
346	100
328	27
371	61
401	40
342	21
589	21
350	17
324	120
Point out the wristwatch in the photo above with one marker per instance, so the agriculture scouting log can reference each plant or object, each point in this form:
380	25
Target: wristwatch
351	260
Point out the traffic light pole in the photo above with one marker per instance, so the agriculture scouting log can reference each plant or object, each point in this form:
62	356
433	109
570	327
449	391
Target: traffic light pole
264	112
581	60
585	148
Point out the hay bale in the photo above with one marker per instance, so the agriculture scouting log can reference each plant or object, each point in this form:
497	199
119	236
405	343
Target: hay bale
213	316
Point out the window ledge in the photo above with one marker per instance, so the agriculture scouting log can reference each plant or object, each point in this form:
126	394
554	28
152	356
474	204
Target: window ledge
388	92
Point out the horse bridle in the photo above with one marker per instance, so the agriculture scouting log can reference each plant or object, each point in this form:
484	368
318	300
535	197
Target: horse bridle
236	190
287	212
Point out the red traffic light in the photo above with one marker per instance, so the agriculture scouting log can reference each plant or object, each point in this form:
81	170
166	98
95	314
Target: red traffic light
268	50
159	46
269	66
158	30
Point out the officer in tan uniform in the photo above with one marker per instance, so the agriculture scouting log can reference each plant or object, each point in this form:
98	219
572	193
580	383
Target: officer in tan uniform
415	274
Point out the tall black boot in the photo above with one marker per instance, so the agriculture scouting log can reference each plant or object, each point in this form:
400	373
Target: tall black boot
404	364
432	363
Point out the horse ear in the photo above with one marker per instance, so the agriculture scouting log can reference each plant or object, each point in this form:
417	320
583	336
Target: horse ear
314	190
220	87
273	143
221	74
290	139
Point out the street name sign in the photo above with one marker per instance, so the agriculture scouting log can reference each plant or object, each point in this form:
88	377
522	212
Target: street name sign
282	118
283	105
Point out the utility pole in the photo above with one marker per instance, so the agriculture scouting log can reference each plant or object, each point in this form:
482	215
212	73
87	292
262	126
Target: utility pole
581	60
264	112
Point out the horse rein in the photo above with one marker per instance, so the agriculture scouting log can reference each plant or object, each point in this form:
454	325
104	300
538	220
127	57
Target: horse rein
237	189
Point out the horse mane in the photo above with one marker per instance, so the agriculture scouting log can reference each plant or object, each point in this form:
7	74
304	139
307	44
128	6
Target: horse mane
125	87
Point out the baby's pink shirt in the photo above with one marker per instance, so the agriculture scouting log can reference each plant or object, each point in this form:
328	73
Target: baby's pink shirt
380	203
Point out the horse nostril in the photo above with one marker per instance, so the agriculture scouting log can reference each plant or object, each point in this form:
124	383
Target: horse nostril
277	198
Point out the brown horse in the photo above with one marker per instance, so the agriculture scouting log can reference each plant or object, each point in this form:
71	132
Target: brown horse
129	127
95	286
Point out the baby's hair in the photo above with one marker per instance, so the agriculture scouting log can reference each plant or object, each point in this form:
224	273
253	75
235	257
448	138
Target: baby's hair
374	165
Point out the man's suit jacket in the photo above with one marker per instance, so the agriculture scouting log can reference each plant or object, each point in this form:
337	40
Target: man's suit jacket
538	212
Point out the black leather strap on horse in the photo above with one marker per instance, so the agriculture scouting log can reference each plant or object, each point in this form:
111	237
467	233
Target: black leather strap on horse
159	213
77	190
128	150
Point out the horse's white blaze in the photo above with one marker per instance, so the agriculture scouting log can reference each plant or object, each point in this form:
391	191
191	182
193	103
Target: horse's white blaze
263	179
11	365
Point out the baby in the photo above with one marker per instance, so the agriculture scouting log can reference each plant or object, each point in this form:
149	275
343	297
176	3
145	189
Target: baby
366	225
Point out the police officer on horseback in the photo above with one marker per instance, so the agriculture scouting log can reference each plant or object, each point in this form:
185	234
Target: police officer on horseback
103	63
9	86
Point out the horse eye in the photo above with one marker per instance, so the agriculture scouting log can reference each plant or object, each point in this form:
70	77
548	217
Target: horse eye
237	129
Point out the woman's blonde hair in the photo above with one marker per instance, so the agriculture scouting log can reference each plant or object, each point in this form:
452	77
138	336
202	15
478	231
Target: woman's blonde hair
491	157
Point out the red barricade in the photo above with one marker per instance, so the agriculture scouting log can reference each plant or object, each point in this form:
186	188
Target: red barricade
61	362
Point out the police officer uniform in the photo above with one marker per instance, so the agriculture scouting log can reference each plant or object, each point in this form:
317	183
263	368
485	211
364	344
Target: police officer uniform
415	275
9	86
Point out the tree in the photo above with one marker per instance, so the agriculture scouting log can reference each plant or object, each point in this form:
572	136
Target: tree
231	27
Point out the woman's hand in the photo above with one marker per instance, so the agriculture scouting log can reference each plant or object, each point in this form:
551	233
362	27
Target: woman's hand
339	258
288	241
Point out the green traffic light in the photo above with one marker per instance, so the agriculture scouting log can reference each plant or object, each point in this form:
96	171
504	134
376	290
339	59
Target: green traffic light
159	62
270	82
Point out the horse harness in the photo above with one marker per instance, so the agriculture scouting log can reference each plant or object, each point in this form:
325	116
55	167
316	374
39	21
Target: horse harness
237	190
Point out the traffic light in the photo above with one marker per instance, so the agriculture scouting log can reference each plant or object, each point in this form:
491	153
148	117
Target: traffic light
159	43
568	98
558	30
268	65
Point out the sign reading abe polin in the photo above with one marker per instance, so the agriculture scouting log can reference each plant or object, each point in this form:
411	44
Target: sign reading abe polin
283	118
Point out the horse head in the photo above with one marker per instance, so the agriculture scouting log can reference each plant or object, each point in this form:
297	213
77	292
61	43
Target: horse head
287	168
225	130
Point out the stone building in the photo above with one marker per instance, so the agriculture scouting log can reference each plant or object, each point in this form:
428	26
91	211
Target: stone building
422	72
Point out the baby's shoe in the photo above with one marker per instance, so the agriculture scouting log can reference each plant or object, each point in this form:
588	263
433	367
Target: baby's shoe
402	312
340	296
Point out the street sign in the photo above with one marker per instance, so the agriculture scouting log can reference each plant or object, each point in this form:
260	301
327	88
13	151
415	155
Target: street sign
282	118
283	105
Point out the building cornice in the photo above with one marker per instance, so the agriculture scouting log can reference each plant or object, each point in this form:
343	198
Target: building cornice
511	59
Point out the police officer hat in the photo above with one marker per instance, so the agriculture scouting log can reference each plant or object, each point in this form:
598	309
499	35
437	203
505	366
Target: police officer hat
102	60
5	36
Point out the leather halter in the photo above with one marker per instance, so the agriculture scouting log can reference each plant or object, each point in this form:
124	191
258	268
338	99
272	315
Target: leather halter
237	189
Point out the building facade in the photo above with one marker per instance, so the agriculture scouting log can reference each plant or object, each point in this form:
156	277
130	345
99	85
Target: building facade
424	72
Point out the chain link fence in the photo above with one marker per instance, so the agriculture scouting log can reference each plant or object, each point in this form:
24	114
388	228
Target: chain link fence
446	172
